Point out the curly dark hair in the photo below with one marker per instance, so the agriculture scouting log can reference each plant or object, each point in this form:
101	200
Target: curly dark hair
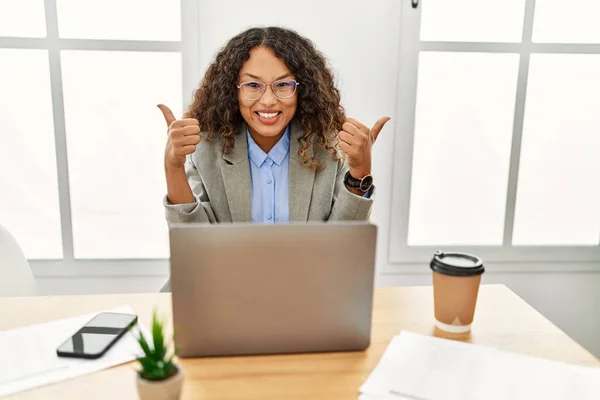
321	116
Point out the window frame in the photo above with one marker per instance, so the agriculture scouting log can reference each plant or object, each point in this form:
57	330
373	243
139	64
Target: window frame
399	253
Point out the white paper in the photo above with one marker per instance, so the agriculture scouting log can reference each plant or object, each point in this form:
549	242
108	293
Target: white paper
427	368
28	355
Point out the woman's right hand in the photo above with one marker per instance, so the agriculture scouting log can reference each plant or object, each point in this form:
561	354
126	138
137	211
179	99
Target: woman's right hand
183	136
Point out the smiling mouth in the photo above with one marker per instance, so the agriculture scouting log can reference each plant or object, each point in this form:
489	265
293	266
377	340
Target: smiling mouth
268	115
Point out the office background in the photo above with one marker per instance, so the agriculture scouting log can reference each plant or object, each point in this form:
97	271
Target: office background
492	146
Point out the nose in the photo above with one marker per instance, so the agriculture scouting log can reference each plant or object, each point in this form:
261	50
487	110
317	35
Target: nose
268	98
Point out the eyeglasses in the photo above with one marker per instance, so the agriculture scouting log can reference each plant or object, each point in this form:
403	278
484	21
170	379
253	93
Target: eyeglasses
284	89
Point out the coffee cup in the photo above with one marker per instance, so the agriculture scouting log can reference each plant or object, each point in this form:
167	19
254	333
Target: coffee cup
456	278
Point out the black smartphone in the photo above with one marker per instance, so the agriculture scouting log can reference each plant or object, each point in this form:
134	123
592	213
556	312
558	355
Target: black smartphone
97	336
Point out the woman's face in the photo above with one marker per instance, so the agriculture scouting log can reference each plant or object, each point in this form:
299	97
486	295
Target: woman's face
268	115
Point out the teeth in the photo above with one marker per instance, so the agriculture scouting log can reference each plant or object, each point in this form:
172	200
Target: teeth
268	115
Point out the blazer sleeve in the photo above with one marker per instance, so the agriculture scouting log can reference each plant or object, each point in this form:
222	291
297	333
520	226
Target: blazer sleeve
346	205
198	211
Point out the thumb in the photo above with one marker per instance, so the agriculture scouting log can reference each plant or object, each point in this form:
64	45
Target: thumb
168	114
379	126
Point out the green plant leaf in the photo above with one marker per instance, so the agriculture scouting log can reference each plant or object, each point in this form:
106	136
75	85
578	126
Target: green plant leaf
147	364
144	344
155	364
169	368
158	336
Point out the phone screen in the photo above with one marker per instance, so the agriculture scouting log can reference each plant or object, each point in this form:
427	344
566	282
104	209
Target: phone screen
95	337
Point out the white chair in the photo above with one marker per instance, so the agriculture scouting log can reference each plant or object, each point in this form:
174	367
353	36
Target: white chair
16	278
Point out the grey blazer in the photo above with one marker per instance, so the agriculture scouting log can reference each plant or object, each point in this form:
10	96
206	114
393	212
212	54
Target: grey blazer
221	185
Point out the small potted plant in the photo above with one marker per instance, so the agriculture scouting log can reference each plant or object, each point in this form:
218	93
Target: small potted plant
159	377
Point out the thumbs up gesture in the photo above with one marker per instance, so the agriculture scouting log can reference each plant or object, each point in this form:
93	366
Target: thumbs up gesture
182	137
356	140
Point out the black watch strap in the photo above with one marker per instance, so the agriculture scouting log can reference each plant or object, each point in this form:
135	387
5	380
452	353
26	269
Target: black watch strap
364	184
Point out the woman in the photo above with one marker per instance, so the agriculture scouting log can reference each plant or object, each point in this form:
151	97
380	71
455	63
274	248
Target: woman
267	139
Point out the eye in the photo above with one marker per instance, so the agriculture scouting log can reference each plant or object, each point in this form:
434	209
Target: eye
282	84
252	84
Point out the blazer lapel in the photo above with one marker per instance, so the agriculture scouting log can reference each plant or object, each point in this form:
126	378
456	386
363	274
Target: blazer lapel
301	179
236	178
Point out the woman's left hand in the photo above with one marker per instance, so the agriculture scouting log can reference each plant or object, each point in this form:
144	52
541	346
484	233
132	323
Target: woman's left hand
356	140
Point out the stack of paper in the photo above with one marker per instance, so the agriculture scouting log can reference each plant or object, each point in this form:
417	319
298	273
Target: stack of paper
419	367
28	355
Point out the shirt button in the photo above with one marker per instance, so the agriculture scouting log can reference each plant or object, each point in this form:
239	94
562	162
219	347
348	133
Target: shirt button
269	216
268	181
268	160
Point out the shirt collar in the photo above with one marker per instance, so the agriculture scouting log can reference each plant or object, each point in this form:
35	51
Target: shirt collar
277	153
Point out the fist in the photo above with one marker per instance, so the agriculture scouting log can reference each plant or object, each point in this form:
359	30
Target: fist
182	137
356	140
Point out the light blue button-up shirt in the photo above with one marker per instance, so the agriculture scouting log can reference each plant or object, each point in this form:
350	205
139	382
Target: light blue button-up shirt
269	181
269	174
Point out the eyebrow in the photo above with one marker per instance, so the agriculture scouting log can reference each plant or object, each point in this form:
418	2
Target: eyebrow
258	78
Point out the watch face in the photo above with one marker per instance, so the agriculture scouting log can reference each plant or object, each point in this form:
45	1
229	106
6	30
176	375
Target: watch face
366	183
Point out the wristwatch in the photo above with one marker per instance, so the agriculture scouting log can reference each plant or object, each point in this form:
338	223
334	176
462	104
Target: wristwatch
364	184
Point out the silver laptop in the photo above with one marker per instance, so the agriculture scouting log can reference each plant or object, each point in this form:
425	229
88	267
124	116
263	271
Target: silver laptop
264	289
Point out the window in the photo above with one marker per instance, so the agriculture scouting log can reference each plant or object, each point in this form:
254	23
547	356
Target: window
81	139
29	201
497	151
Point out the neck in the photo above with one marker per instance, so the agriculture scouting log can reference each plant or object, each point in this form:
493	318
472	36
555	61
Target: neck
266	143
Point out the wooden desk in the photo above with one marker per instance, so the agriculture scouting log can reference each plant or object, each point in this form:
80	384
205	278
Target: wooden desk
502	320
